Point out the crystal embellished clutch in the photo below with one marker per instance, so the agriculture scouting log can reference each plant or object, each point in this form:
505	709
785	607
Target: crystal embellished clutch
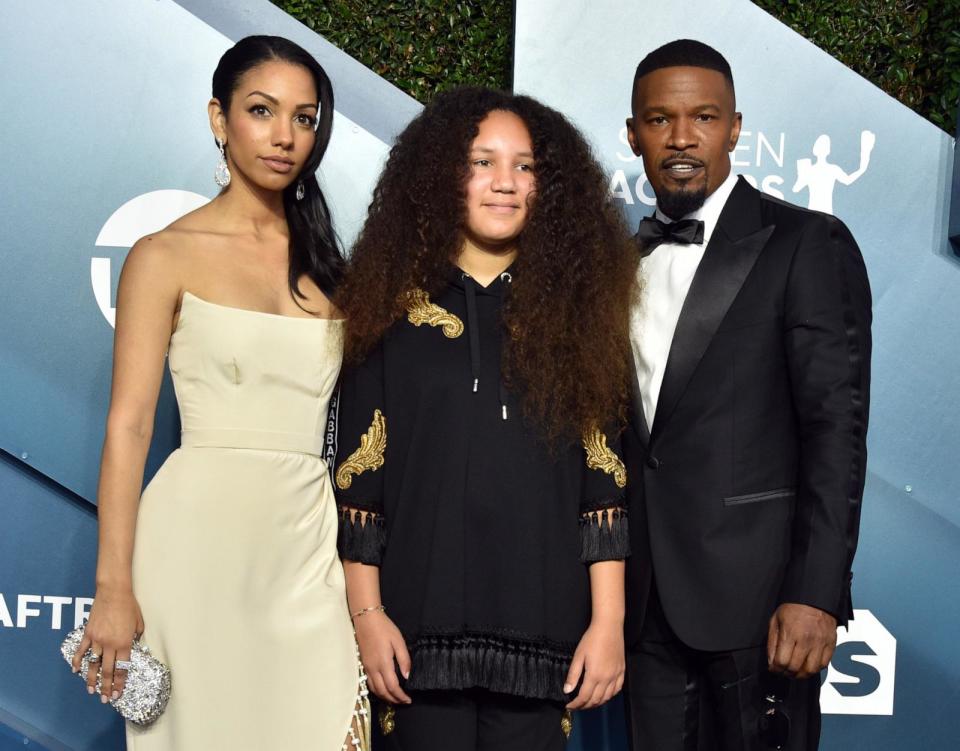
147	690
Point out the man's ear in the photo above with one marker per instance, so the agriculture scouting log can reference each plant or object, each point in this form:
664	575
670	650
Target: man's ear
632	138
735	131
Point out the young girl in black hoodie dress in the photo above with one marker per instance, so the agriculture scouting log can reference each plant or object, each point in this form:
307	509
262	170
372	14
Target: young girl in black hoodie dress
478	475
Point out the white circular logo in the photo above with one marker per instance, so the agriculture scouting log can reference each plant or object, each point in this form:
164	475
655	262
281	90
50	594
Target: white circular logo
147	213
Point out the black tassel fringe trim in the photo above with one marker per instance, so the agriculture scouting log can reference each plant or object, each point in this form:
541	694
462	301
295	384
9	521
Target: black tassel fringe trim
604	535
359	539
489	662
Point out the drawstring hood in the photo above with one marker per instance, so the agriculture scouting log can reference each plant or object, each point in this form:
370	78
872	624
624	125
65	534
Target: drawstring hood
505	280
473	330
470	288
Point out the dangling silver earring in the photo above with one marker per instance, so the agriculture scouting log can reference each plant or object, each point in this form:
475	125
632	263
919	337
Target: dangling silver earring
300	191
221	175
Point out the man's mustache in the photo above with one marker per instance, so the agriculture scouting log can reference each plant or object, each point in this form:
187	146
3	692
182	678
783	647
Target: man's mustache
681	158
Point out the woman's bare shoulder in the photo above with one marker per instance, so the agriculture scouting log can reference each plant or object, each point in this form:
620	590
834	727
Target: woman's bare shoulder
177	247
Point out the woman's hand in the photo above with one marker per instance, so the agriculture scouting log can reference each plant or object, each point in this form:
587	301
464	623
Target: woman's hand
381	643
599	658
114	622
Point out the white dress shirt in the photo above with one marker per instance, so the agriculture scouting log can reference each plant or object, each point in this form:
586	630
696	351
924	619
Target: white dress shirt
666	275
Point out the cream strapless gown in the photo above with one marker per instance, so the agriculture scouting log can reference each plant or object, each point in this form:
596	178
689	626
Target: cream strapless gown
235	561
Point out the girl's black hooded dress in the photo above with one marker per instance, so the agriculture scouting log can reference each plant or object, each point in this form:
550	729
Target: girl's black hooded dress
483	538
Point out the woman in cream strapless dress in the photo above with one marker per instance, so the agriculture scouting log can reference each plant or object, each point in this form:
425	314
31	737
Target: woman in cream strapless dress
226	565
248	500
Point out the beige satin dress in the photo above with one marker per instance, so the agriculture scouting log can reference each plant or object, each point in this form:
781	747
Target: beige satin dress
235	559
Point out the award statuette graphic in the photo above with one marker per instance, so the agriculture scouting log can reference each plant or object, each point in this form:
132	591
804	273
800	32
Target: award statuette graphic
820	176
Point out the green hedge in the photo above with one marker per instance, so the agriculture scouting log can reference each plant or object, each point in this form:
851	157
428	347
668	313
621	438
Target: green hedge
909	48
421	46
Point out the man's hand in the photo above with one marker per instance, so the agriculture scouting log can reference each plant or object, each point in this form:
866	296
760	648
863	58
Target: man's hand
800	640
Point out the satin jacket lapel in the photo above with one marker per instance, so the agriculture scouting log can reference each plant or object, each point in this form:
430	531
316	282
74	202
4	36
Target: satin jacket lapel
733	249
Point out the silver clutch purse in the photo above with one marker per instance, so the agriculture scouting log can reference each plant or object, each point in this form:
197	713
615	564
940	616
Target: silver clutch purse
147	690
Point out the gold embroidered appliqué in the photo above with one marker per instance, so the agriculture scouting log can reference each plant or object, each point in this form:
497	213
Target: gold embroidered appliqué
368	456
566	723
600	456
388	722
420	310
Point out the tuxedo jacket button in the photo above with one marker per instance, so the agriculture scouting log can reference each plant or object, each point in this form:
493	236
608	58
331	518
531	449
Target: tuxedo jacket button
653	462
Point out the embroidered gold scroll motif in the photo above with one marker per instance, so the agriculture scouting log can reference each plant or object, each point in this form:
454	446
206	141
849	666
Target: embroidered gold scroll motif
600	456
420	310
368	456
566	724
388	722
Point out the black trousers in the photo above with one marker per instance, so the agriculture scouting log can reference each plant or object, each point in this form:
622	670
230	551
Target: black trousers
683	699
473	720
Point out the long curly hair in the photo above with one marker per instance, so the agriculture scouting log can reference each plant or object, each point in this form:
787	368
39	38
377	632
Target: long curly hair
566	320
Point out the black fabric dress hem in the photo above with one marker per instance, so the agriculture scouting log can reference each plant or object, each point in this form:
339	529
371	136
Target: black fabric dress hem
532	670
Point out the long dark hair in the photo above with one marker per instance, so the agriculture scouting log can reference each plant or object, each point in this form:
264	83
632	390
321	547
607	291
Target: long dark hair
566	347
314	247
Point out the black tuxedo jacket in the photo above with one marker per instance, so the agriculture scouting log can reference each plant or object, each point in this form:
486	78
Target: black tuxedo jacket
746	492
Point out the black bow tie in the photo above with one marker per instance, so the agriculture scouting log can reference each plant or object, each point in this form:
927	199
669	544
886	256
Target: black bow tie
653	232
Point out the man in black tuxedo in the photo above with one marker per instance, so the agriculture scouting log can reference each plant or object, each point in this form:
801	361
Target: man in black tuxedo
746	451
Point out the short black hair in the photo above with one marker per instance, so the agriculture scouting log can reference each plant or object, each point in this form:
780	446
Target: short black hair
684	53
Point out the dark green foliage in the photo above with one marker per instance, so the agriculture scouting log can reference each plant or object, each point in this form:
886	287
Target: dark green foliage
909	48
421	46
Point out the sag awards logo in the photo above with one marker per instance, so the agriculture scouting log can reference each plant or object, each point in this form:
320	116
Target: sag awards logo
139	216
59	612
860	678
818	176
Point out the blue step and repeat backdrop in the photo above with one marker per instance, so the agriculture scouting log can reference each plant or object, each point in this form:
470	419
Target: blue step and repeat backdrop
107	140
